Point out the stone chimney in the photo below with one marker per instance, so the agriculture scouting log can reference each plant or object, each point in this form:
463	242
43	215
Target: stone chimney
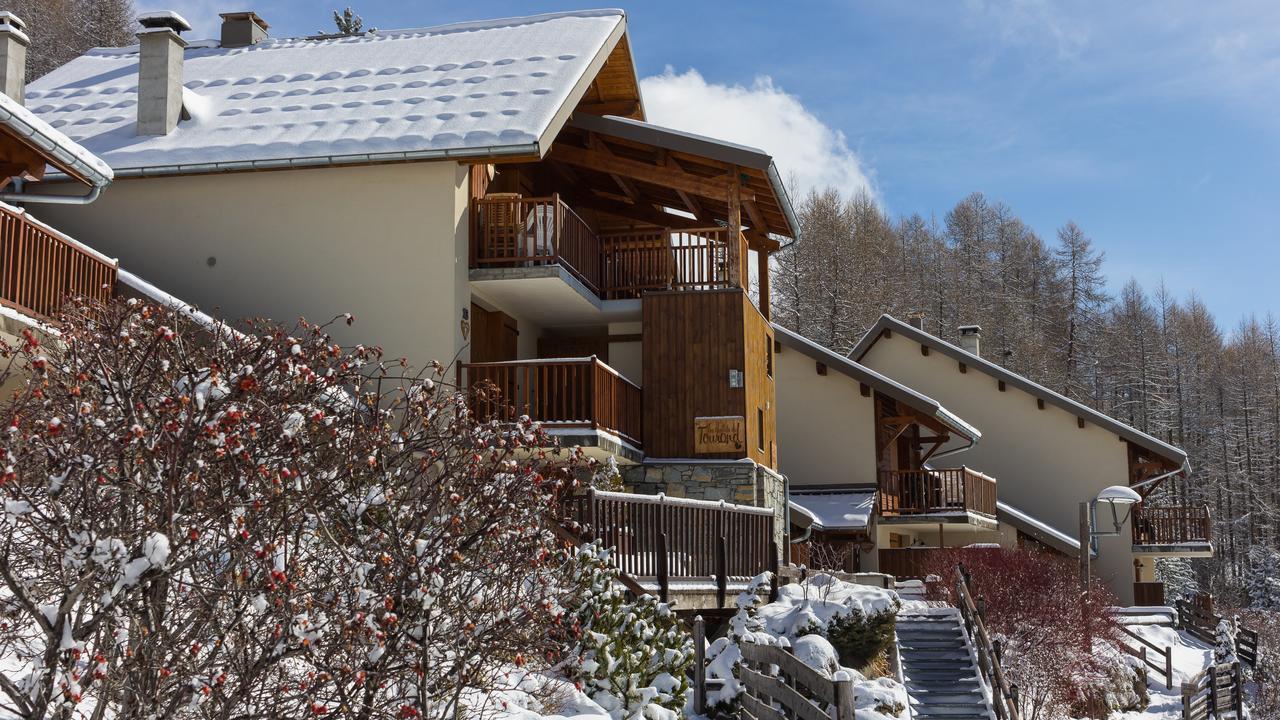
915	319
241	29
970	339
160	50
13	55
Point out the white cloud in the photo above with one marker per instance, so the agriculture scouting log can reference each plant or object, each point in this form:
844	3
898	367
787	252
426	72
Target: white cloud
761	116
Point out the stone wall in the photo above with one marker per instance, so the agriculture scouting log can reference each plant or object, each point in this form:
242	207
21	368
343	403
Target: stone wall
742	482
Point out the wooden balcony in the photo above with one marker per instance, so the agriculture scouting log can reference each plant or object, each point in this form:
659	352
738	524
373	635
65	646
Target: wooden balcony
40	267
959	491
1172	526
560	393
511	231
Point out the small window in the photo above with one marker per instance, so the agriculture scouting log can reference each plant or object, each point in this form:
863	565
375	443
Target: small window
760	428
768	357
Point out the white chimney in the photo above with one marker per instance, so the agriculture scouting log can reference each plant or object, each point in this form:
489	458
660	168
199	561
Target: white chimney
915	319
970	339
160	71
13	55
241	29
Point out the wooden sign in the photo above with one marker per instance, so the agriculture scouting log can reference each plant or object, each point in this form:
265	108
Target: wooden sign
719	434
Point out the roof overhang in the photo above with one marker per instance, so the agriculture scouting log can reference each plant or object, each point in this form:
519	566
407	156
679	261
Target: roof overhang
28	144
878	382
891	324
758	176
1038	530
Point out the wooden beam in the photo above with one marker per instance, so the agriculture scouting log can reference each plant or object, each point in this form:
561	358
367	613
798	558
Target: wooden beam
631	212
1000	384
924	350
1040	403
717	188
963	368
737	264
757	218
762	273
865	389
1080	423
621	108
628	188
820	368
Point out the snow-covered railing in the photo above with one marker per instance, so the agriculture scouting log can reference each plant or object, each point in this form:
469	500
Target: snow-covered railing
665	538
40	267
777	684
1211	694
1201	623
1171	525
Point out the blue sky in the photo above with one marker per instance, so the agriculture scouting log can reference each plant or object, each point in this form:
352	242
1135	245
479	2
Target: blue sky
1152	125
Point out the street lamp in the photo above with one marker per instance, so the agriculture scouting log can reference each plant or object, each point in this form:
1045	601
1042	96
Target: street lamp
1121	499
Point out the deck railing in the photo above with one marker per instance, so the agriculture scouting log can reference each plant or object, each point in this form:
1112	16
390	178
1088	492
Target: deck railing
513	231
568	392
1171	525
40	267
665	538
924	492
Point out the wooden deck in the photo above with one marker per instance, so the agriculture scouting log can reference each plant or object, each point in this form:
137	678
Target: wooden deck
932	492
1172	525
511	231
567	393
40	267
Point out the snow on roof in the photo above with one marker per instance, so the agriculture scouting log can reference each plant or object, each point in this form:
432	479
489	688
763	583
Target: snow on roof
1036	528
885	384
838	510
461	90
53	143
1131	434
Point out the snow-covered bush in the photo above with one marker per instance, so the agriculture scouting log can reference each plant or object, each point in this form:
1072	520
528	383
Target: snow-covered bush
633	657
1179	578
1264	577
209	523
1062	650
861	638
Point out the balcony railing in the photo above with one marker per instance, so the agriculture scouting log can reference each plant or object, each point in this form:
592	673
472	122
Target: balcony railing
514	231
1171	525
40	267
571	392
931	492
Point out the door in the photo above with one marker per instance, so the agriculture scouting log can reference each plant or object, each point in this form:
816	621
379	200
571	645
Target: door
493	335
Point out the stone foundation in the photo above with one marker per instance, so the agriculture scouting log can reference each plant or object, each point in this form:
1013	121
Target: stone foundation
742	482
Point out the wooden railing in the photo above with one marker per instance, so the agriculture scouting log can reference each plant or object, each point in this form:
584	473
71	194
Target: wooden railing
571	392
1214	693
510	231
1171	525
40	267
1004	694
636	261
515	231
777	685
665	538
922	492
1203	625
1162	665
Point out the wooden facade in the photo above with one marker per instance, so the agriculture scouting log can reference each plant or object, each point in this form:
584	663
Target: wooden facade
40	267
695	344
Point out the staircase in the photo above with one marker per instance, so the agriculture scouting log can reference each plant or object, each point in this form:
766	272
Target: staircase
939	668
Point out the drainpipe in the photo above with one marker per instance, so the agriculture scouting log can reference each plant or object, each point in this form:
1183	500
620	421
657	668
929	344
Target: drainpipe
22	197
1186	467
954	450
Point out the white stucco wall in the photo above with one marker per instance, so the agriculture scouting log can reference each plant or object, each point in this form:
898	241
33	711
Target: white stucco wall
826	428
387	243
1044	464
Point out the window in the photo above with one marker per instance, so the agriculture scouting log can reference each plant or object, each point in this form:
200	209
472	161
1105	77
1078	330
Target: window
760	428
768	356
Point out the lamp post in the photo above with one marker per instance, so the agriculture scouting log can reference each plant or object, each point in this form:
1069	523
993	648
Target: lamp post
1118	497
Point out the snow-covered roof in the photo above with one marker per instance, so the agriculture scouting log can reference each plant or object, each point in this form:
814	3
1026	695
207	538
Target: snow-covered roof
480	89
63	153
835	510
886	385
1133	435
1038	529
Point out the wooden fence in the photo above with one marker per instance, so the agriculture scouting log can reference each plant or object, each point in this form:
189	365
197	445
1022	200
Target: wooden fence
666	538
40	267
1202	624
777	685
568	392
920	492
1004	695
1216	691
1162	662
1171	525
661	259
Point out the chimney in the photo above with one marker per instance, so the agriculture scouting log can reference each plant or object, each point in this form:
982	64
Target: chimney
160	71
242	29
13	55
915	319
970	339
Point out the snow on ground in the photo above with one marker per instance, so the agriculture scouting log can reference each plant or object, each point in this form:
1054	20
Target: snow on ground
1190	658
538	696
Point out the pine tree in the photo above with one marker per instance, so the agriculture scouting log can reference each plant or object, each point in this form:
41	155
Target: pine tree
348	22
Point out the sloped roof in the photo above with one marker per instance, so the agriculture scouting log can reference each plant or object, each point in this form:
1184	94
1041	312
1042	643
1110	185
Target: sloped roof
881	383
467	90
61	152
835	509
1137	437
